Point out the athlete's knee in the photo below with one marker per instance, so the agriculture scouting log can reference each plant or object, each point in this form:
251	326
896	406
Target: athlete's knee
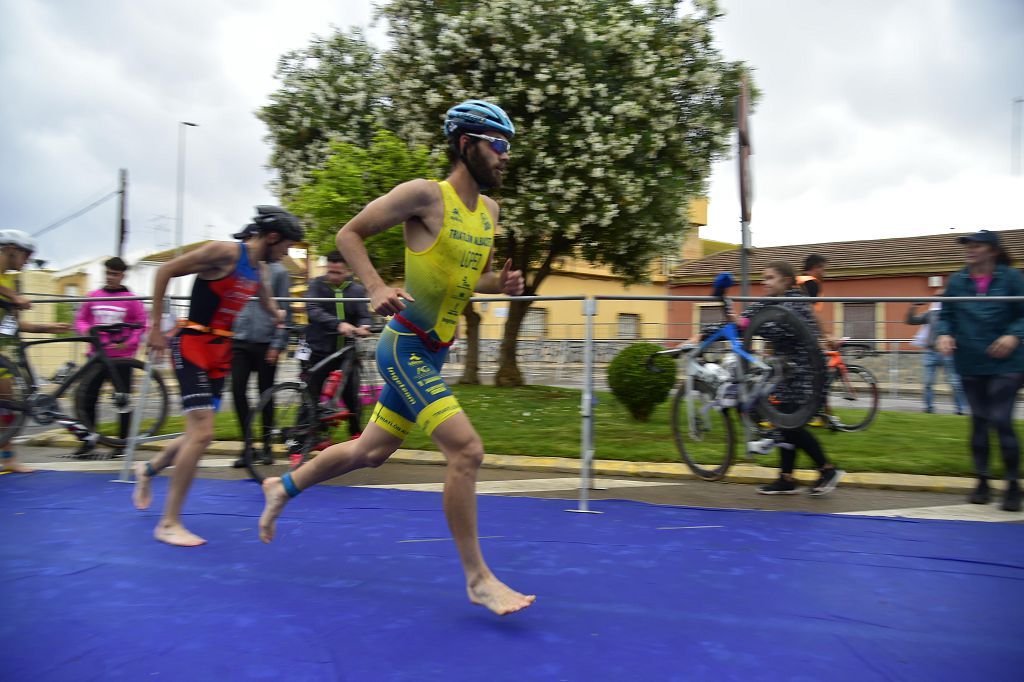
466	452
376	455
199	427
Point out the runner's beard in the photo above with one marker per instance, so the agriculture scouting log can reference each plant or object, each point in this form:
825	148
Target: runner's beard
487	177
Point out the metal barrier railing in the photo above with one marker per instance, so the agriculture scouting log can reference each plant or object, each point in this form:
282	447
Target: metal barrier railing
590	306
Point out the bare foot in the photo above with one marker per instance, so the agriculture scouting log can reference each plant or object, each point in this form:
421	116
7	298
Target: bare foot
497	596
177	535
142	494
276	498
17	468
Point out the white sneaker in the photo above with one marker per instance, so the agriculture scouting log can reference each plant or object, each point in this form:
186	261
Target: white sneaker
763	446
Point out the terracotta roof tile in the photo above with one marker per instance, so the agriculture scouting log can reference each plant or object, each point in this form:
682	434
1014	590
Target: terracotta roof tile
934	253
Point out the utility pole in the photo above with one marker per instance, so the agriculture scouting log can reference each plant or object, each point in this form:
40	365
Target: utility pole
122	212
743	137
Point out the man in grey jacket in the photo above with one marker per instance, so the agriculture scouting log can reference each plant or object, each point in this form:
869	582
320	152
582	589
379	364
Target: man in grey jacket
933	359
255	348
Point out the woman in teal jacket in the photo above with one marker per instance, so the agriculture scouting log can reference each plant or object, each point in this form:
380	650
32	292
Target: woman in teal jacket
985	340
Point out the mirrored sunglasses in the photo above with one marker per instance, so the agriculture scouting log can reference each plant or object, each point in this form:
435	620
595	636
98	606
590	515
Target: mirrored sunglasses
499	145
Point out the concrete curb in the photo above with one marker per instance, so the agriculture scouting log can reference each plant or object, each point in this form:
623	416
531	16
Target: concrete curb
738	473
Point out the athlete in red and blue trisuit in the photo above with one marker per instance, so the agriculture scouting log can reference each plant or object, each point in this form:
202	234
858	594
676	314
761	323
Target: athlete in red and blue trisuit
227	275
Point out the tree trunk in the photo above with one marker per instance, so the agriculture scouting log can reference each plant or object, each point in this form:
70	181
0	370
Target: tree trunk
471	365
508	368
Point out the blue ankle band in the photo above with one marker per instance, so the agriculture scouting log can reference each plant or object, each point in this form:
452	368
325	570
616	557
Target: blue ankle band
289	485
150	471
6	454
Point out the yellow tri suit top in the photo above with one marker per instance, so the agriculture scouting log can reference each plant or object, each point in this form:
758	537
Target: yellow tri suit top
9	280
442	277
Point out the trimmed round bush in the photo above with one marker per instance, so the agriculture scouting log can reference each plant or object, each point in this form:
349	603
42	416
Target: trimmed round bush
635	386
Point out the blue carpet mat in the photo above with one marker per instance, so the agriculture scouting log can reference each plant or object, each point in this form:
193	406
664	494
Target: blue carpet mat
364	584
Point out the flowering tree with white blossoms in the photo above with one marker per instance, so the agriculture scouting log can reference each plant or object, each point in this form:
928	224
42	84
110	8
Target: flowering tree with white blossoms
329	94
620	107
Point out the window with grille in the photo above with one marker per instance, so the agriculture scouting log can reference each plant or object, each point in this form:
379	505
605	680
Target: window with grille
535	324
629	326
710	314
859	320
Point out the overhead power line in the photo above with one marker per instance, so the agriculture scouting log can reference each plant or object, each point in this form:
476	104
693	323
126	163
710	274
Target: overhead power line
77	213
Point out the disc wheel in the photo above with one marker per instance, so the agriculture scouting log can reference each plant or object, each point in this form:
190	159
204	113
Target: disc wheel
786	347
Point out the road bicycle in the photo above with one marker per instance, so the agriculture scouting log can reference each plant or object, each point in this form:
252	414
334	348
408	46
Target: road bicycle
100	421
302	423
742	382
851	401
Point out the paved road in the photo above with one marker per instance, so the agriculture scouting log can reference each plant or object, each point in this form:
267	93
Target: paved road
565	486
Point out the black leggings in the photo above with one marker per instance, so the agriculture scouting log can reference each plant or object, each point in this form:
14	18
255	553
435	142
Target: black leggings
992	398
91	394
247	358
803	439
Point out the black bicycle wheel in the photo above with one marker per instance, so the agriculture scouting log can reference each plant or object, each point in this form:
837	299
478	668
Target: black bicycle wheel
852	398
14	391
707	445
287	433
96	402
790	391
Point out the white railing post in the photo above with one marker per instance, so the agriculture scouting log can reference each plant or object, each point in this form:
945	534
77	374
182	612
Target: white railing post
587	409
133	432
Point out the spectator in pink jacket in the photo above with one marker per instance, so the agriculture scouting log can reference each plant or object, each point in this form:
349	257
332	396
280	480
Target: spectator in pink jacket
121	346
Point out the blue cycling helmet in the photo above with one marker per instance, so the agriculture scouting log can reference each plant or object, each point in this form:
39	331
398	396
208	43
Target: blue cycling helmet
478	116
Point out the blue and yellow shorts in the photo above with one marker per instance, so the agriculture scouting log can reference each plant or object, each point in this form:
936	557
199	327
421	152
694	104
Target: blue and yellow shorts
414	392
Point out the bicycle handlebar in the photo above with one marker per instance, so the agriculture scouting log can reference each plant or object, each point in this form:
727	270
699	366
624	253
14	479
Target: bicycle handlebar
670	352
113	328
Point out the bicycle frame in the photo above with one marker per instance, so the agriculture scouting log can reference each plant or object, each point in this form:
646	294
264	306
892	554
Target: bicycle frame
99	356
730	334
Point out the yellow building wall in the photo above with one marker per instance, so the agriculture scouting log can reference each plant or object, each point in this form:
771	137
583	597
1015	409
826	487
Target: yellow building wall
576	277
565	318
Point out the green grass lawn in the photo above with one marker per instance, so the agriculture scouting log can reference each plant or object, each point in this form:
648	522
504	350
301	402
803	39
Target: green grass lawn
541	420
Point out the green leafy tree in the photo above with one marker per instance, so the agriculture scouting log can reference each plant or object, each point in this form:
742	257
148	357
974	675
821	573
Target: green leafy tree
620	109
330	91
350	178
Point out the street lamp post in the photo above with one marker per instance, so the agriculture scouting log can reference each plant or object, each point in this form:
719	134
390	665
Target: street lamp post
180	211
1015	134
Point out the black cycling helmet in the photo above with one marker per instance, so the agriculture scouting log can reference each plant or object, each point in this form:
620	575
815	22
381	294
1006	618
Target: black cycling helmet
276	219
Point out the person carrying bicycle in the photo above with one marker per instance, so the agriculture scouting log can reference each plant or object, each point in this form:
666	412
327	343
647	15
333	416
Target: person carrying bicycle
16	247
779	281
125	345
228	274
333	325
449	230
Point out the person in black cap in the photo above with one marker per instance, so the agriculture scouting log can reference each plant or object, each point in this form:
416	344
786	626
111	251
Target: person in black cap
985	340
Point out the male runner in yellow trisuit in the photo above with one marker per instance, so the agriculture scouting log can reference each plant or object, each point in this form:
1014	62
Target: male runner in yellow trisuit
449	231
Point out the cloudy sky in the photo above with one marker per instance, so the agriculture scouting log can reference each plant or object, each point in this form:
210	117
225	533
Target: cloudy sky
877	118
